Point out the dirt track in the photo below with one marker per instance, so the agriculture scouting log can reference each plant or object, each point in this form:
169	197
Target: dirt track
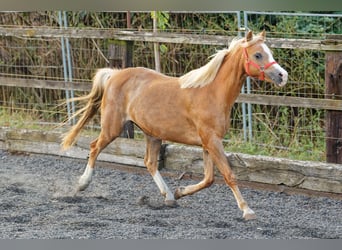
37	201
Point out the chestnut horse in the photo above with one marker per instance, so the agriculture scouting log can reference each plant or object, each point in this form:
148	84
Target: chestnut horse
193	109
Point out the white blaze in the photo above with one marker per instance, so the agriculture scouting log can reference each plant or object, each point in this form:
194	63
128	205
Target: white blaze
277	66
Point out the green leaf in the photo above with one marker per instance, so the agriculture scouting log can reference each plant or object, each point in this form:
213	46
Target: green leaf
163	48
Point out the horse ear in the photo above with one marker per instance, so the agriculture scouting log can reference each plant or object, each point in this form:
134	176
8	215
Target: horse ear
263	34
249	36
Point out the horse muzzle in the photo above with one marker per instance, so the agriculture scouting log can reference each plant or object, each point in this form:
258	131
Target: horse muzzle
277	75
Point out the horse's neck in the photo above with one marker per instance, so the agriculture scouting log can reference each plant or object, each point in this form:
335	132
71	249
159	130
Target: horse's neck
230	77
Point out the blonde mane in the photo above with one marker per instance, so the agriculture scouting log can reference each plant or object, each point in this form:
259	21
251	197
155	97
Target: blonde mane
206	74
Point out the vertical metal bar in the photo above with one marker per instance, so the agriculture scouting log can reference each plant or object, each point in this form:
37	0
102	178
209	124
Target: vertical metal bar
248	83
249	110
239	23
243	105
60	20
244	121
69	64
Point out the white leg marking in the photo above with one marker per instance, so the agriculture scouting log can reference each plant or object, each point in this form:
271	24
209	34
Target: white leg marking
164	189
85	179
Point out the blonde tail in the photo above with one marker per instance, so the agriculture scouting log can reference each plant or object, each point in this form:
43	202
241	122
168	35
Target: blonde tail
94	99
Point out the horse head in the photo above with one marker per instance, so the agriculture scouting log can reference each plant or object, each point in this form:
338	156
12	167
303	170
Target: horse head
259	62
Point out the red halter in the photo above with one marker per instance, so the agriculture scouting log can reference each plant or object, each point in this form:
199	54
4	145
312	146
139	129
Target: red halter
260	68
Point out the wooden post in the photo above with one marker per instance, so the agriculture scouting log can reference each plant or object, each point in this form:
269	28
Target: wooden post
116	51
121	56
333	90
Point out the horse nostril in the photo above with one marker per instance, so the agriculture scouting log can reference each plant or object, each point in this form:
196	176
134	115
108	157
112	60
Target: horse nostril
280	74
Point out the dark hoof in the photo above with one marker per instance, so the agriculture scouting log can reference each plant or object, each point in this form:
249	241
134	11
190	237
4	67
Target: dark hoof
179	193
81	188
171	203
143	200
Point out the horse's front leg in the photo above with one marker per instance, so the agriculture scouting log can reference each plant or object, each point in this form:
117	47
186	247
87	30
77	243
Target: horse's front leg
216	151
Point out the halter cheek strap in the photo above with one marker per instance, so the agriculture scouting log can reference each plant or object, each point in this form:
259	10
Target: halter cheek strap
260	68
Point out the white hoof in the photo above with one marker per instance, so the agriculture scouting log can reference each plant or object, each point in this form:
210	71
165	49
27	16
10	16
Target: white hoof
82	184
85	179
249	214
171	203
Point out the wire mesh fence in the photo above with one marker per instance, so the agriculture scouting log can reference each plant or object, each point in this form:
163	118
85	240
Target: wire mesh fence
294	132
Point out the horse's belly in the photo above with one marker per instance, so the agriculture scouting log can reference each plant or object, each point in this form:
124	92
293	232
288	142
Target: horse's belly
166	127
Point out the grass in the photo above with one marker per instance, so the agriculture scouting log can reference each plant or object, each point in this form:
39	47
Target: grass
298	152
17	119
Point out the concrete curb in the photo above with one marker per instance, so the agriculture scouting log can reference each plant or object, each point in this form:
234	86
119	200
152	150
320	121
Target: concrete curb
315	176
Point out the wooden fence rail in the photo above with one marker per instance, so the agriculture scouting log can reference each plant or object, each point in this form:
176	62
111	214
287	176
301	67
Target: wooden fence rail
163	37
290	101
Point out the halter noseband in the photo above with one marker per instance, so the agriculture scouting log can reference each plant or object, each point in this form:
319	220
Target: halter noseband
260	68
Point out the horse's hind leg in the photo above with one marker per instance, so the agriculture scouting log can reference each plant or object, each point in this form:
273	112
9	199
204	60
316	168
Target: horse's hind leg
111	127
206	182
96	147
151	161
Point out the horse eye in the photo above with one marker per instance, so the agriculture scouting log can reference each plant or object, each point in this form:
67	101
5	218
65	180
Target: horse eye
258	56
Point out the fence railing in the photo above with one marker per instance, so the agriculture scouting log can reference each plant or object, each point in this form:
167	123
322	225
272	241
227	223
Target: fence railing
162	37
278	40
